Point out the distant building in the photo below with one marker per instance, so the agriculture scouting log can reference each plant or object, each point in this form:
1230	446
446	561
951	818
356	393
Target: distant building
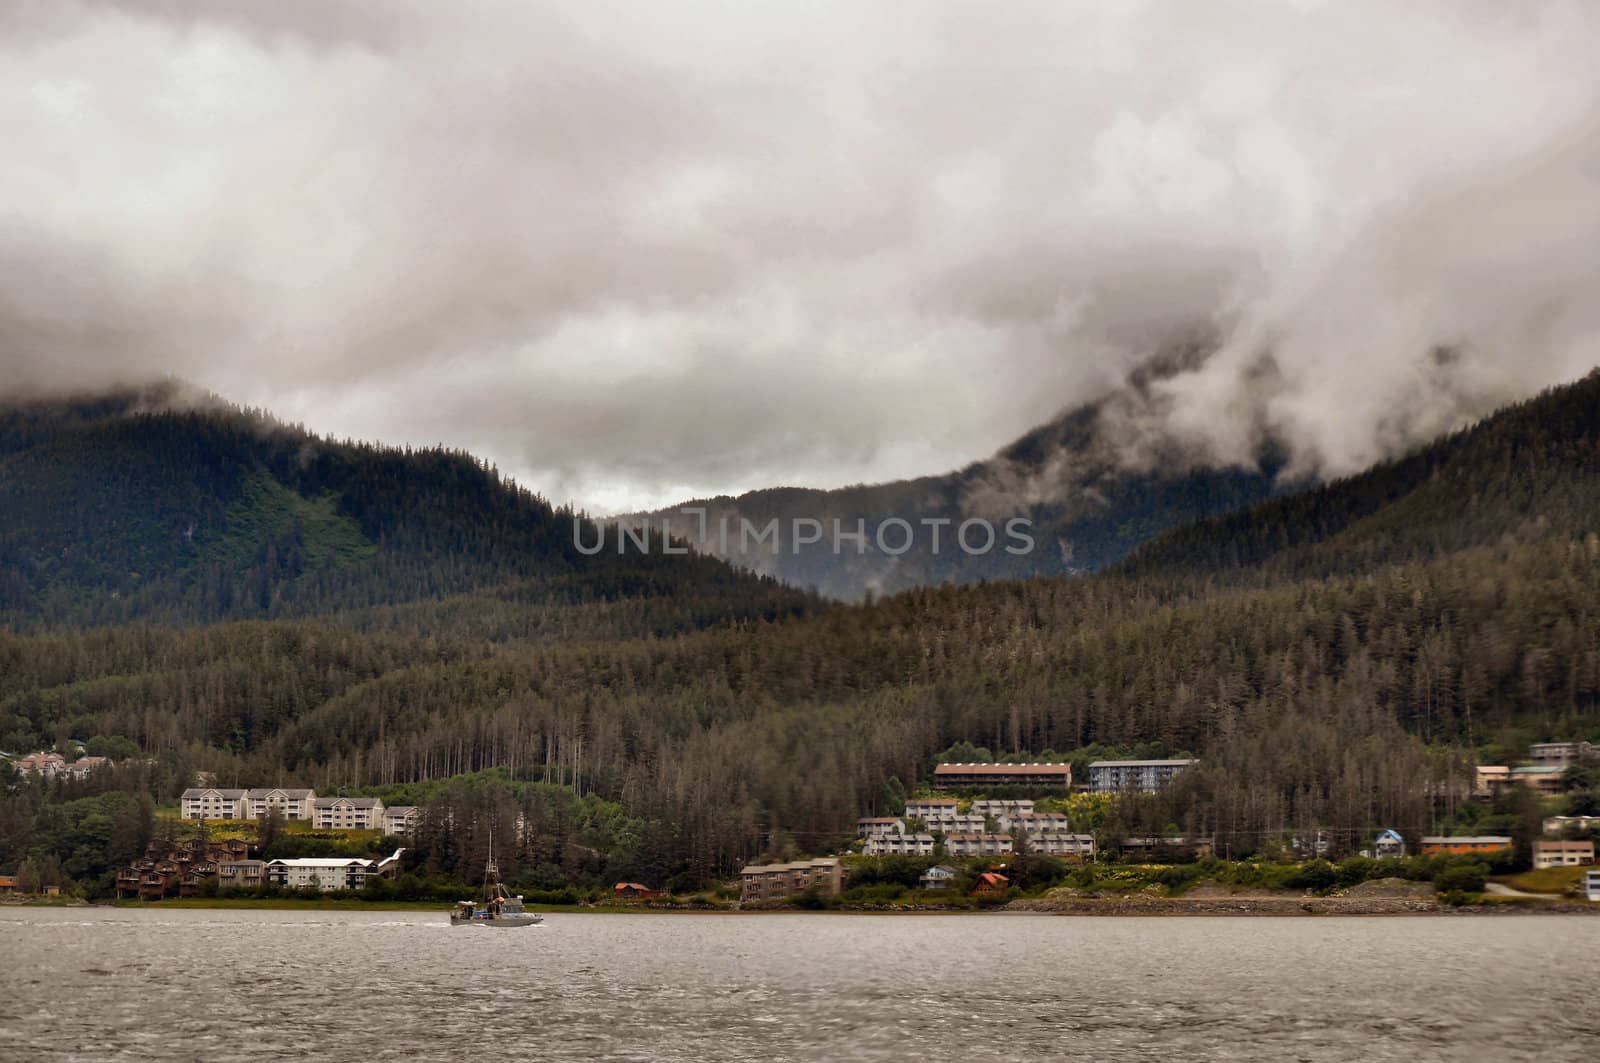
329	873
212	803
403	819
46	765
1560	754
1490	778
1389	844
348	813
242	874
1036	822
290	804
1561	824
1546	779
1000	809
8	884
1061	843
937	877
932	810
771	882
899	845
878	826
1165	847
1591	885
84	767
1562	854
1143	776
947	776
634	891
977	844
991	884
1465	844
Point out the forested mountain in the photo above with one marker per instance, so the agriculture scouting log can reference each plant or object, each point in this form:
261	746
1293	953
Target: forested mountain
152	503
1336	659
1086	504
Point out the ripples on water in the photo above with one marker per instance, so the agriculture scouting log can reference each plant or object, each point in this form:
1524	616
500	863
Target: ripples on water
120	984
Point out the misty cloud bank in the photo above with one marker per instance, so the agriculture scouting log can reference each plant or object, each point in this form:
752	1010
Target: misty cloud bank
638	253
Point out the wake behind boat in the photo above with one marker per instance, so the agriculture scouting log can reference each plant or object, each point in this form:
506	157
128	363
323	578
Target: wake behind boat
497	907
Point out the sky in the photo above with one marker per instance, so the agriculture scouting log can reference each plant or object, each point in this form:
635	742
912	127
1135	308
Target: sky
637	253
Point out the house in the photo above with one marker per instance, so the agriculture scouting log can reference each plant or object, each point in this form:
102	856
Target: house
1434	845
977	844
290	804
991	884
212	803
83	767
948	776
1562	824
1546	779
633	891
1143	776
1562	854
242	874
1001	809
46	765
937	877
899	845
1389	844
8	884
1591	885
401	819
878	826
348	813
1560	754
770	882
1489	778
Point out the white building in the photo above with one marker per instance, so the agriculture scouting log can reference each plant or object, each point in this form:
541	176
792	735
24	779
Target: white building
211	803
899	845
1559	824
937	877
291	804
1036	822
878	826
348	813
1061	843
1562	854
401	819
1591	885
329	872
933	811
977	844
1142	776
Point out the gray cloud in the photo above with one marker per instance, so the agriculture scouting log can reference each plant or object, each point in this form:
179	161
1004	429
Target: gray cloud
641	252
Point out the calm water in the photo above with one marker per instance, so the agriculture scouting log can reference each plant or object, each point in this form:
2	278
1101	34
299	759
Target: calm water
102	984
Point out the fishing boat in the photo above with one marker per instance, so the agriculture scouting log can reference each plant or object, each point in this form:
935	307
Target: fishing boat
497	907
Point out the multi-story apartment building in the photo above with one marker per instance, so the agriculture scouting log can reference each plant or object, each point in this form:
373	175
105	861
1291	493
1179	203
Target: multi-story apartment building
899	845
878	826
1561	824
402	819
348	813
211	803
1433	845
932	810
1062	843
1036	822
329	873
769	882
1143	776
977	844
290	804
1001	809
1562	854
952	776
1560	754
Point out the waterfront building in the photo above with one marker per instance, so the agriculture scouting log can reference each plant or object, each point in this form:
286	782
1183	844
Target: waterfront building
1562	854
1434	845
950	776
1165	848
1591	885
991	884
769	882
937	877
1144	776
1389	844
329	873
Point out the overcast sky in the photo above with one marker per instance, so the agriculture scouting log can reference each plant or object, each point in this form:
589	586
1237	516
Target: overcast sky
636	253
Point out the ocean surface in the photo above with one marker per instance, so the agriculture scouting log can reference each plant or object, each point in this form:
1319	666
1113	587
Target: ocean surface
118	984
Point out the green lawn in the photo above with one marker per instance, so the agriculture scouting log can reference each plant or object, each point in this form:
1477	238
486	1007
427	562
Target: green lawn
1548	880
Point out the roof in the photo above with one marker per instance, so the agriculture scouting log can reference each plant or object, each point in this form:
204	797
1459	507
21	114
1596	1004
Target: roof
201	791
1468	839
353	802
1536	769
8	880
942	802
1495	769
939	871
319	861
1140	763
1563	846
1003	769
632	886
403	810
799	865
878	819
293	795
993	879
